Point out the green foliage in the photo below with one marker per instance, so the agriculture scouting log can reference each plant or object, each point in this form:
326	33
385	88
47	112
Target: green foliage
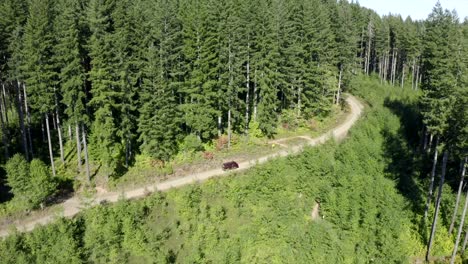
440	60
31	183
290	119
263	215
254	129
17	171
41	182
191	143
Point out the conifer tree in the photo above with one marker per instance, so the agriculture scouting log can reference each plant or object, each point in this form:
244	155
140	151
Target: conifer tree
199	109
38	65
438	84
106	145
158	124
69	58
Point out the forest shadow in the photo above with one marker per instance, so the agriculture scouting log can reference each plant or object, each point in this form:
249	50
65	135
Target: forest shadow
5	194
401	148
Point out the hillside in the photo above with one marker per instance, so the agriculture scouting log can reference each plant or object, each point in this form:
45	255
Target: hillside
264	215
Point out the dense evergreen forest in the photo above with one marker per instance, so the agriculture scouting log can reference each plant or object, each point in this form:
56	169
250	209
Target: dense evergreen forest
106	82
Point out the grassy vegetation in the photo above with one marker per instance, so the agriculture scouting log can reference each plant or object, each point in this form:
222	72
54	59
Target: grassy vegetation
368	188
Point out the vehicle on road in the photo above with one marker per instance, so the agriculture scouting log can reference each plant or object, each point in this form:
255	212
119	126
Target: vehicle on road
231	165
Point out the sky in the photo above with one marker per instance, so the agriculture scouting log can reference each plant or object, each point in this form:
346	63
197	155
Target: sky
417	9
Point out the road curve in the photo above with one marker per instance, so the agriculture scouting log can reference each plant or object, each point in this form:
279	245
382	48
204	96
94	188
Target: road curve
74	205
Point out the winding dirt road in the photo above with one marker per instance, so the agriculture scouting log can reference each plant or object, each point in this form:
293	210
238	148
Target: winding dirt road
74	205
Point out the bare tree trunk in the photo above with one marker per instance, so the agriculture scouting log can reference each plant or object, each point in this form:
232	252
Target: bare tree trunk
460	227
394	62
247	86
255	99
43	133
59	130
229	128
386	62
219	125
420	78
429	147
3	101
127	153
434	222
425	135
361	50
403	76
85	145
380	69
21	120
50	145
54	121
299	100
78	146
460	187
464	242
230	91
370	33
70	136
416	78
4	133
413	70
391	67
338	93
28	114
431	185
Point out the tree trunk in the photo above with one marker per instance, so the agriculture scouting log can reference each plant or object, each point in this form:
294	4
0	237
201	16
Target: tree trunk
255	99
420	78
338	93
4	133
380	69
50	145
28	114
70	136
43	133
361	50
460	187
403	76
429	147
229	128
416	78
85	145
394	62
370	33
59	130
299	100
219	125
464	242
3	101
54	121
386	61
78	146
431	185
230	92
247	86
439	195
413	70
391	67
21	120
425	135
460	227
127	152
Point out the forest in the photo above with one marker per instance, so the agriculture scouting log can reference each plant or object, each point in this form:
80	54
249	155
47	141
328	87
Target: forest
91	87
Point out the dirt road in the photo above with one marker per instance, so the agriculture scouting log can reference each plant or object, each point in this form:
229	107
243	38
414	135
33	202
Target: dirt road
74	205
